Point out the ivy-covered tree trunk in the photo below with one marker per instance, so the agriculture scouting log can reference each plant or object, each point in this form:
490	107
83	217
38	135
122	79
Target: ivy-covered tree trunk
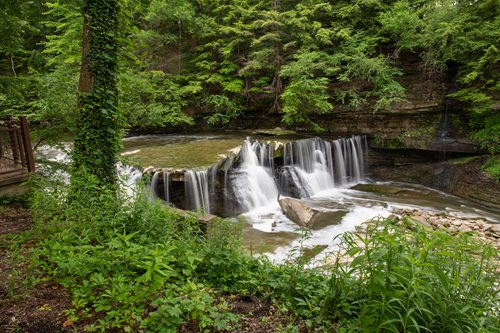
98	139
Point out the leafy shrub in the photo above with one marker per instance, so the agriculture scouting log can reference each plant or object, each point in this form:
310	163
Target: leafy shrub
414	280
492	166
132	263
140	267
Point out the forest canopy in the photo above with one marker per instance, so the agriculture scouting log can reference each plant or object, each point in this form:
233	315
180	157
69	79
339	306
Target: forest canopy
185	61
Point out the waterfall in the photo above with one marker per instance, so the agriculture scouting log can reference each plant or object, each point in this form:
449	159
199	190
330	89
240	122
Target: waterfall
261	172
311	162
253	181
350	159
340	165
154	185
196	187
166	186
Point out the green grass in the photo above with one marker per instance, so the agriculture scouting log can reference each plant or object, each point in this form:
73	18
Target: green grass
139	267
492	167
465	160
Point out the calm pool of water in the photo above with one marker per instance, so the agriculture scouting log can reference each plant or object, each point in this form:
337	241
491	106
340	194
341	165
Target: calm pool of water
183	151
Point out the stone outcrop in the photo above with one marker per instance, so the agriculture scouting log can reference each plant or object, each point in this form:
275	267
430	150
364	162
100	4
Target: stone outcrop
299	212
461	177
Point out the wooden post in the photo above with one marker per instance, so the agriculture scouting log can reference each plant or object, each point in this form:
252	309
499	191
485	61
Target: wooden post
27	143
20	146
14	145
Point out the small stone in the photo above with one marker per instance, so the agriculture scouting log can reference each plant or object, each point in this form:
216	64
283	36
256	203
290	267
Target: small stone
393	218
494	235
273	224
464	228
495	228
421	220
456	223
487	226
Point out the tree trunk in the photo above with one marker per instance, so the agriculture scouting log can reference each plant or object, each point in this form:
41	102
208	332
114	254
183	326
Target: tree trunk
85	74
98	139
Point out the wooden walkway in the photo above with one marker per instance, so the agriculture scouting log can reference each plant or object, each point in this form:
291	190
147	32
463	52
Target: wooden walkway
16	155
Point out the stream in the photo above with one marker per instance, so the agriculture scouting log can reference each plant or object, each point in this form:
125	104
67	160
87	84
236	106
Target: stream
329	175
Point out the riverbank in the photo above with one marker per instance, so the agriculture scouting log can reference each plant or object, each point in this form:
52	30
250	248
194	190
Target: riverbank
483	229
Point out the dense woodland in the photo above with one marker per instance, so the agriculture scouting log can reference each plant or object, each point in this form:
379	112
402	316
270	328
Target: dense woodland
89	258
184	61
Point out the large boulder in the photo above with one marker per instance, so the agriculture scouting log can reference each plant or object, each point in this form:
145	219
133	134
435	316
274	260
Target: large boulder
306	216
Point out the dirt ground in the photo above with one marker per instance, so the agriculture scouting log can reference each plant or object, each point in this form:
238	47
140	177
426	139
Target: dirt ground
27	302
32	303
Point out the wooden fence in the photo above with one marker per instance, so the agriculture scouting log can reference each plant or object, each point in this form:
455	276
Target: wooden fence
16	154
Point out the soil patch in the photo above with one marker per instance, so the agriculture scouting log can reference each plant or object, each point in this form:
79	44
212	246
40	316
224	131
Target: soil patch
25	305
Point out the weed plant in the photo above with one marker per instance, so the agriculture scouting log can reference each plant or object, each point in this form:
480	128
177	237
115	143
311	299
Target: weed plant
139	267
413	279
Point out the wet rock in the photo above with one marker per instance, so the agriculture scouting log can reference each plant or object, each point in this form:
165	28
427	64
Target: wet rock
379	189
277	131
304	215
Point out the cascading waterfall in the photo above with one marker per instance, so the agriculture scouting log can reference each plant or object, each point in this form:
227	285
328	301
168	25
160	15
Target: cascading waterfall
253	182
196	187
166	186
154	184
340	165
310	165
350	155
259	175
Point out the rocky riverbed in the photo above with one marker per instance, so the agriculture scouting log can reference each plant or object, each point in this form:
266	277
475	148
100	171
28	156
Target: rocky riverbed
484	229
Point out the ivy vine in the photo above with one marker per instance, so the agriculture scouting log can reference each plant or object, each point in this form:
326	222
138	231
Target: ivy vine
98	141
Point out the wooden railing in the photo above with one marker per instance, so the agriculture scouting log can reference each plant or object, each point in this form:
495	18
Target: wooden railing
16	153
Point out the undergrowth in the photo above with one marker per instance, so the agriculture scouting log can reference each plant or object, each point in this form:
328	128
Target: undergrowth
492	166
139	267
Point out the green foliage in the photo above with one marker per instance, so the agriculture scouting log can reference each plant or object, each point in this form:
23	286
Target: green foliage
414	280
98	140
307	91
492	166
136	265
223	109
456	32
151	99
223	59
